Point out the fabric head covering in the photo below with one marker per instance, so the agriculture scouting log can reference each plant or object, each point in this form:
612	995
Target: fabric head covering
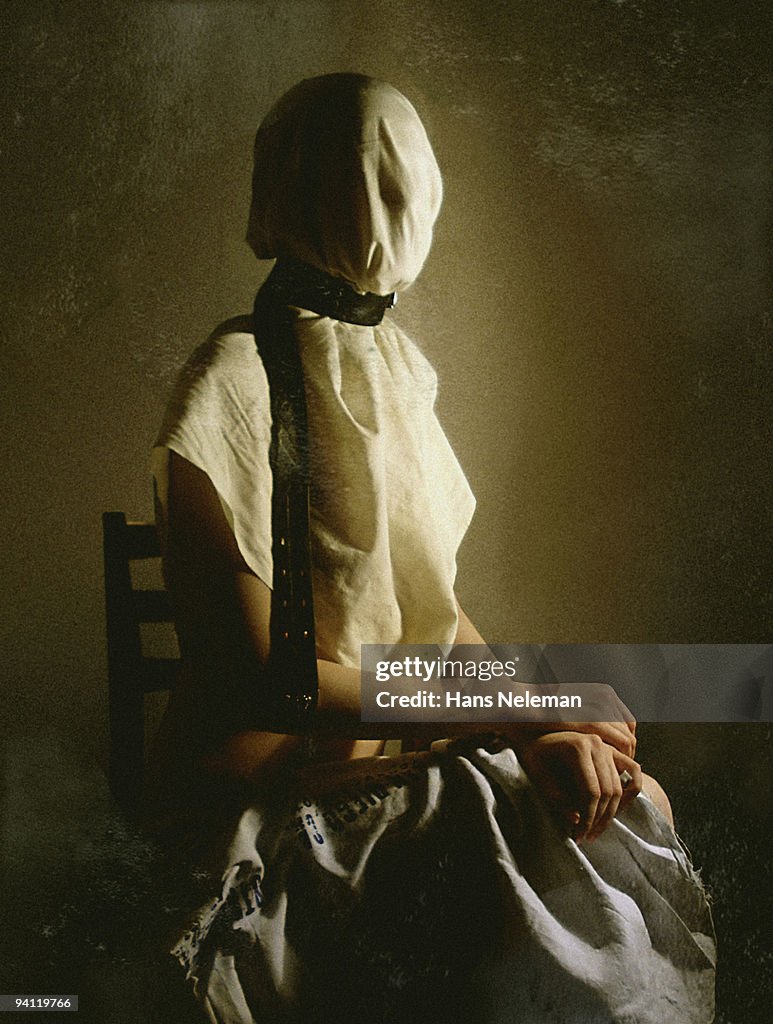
345	179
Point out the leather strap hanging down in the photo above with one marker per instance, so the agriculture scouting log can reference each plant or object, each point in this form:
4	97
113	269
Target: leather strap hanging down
293	654
293	648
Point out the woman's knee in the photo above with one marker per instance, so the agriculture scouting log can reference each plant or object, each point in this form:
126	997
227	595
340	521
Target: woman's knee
657	795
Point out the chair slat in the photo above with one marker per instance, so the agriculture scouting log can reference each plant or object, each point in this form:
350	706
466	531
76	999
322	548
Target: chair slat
131	674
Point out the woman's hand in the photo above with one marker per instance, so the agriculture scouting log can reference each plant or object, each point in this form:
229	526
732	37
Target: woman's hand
613	723
611	720
578	774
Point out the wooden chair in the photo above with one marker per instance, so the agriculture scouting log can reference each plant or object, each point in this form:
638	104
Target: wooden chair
131	673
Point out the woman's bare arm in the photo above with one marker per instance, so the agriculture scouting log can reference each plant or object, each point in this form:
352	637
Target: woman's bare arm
223	614
619	734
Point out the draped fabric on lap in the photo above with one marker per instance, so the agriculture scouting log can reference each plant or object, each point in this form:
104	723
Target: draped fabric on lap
436	888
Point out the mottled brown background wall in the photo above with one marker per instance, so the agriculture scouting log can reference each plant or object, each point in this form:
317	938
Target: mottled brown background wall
597	305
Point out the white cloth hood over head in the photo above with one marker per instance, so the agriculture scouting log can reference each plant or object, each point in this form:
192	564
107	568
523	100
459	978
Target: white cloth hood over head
345	179
389	502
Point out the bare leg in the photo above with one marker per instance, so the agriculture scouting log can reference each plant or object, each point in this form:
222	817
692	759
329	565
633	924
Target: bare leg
657	795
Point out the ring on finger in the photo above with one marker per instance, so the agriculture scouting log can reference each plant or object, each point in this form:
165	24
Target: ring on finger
625	778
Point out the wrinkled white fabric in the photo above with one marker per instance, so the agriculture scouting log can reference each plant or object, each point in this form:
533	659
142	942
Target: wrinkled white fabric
436	888
345	179
390	503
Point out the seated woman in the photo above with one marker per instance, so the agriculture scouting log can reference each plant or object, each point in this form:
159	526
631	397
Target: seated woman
454	884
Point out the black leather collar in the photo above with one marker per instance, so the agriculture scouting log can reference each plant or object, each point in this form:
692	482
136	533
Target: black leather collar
294	283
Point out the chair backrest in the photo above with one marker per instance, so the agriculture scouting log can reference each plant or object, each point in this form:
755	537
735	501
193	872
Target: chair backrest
131	673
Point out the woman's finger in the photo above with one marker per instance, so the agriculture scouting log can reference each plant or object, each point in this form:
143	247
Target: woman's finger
586	781
611	789
604	772
633	786
622	793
